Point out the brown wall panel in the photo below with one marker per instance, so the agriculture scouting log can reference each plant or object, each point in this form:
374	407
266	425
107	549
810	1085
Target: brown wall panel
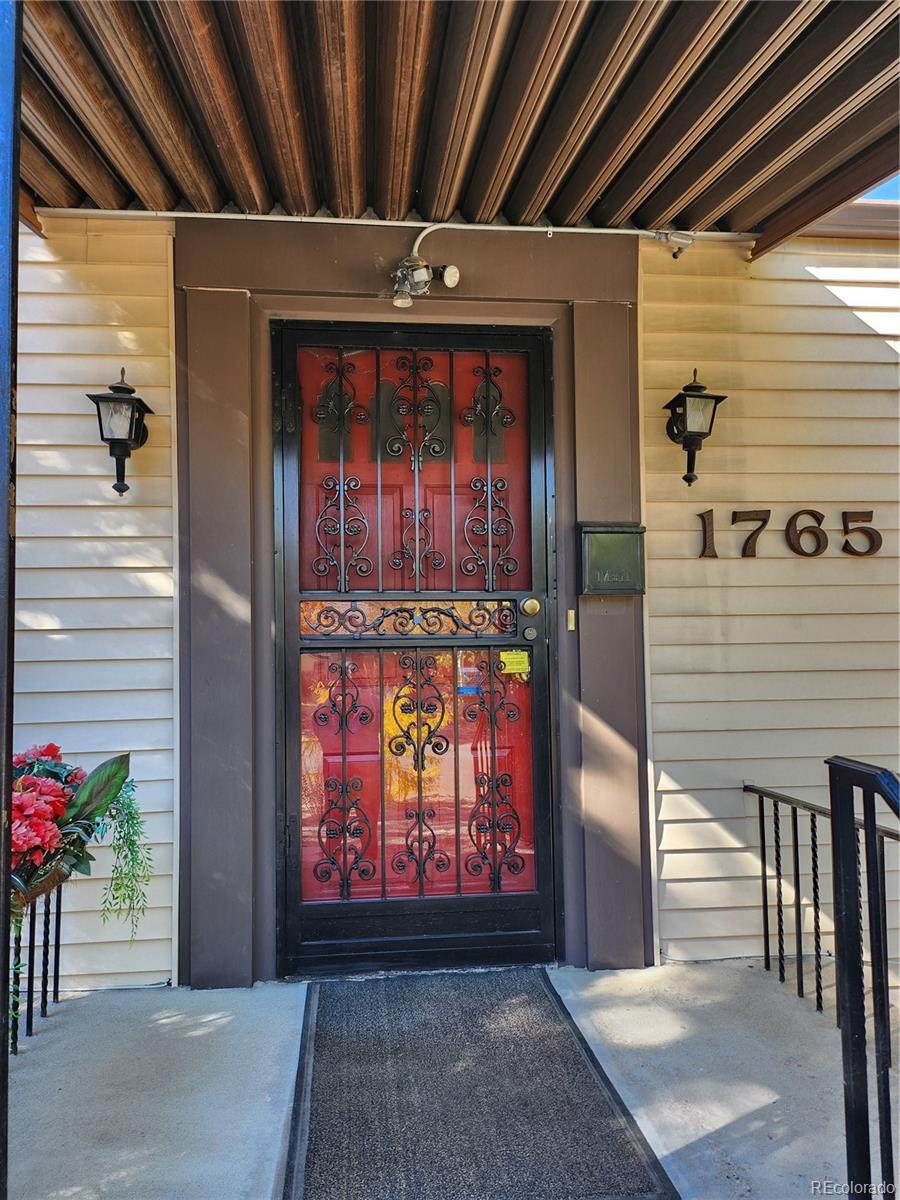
358	260
613	726
218	508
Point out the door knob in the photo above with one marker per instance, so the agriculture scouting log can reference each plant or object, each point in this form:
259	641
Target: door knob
531	607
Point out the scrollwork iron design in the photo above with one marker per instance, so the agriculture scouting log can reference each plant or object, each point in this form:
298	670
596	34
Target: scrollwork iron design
343	704
478	617
417	544
421	847
342	525
419	710
416	411
486	413
489	531
336	407
344	835
494	824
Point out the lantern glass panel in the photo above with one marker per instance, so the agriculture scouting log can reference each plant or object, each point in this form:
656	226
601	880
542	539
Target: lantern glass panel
698	413
115	419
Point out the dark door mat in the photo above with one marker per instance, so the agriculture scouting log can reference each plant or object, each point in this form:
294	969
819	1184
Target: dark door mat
458	1086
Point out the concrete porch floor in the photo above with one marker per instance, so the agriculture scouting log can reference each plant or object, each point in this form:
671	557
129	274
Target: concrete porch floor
156	1094
176	1094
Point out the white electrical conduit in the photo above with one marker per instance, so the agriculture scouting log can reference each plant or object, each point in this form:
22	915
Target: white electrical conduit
424	227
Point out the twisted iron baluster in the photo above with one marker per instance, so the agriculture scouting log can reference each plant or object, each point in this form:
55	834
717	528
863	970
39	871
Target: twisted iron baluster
817	926
776	830
45	955
15	991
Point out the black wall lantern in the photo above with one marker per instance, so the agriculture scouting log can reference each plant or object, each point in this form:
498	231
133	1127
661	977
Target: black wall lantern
691	416
121	416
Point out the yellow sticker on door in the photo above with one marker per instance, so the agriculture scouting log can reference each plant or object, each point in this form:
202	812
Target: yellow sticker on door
515	662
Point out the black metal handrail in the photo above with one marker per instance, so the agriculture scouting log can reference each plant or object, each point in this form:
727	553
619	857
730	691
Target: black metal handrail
849	834
846	776
51	928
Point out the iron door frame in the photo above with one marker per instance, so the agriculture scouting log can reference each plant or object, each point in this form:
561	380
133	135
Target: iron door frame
346	949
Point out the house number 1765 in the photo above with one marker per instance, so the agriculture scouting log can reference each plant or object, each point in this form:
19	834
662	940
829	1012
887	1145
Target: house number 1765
803	532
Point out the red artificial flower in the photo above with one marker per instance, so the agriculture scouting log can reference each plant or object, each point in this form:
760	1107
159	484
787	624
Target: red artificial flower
76	778
36	805
49	753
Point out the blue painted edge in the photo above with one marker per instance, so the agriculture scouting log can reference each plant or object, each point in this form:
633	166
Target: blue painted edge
10	55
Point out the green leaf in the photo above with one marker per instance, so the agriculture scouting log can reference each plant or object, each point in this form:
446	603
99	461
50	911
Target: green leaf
83	867
99	790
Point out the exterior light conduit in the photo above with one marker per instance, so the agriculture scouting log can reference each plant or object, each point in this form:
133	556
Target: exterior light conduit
679	238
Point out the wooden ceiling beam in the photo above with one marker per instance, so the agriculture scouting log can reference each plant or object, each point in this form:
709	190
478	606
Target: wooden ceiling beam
768	31
849	90
842	31
63	56
334	34
44	178
123	42
852	137
54	132
543	50
612	46
192	30
27	215
475	50
407	49
867	171
262	31
664	72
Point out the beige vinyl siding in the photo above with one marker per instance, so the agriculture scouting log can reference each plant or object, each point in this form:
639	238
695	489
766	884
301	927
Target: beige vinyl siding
760	668
95	573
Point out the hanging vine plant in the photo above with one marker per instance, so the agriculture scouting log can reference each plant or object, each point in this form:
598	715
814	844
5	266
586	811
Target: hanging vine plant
58	811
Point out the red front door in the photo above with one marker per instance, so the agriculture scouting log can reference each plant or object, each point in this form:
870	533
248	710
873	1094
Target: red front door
417	810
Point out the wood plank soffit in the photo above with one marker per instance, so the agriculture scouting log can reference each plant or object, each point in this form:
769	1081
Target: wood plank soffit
119	33
193	31
617	37
842	31
335	36
665	71
57	135
407	46
852	137
863	173
475	50
63	56
848	91
44	177
546	41
263	30
760	40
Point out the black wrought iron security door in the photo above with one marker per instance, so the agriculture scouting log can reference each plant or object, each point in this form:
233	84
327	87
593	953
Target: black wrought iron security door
411	489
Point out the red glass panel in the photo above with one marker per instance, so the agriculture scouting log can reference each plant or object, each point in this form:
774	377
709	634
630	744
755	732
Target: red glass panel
429	750
415	470
495	774
340	776
419	774
493	496
338	483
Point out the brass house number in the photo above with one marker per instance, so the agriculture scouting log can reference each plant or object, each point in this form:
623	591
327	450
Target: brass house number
803	532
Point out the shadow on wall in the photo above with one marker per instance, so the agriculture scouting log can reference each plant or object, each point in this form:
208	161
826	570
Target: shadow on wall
761	668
